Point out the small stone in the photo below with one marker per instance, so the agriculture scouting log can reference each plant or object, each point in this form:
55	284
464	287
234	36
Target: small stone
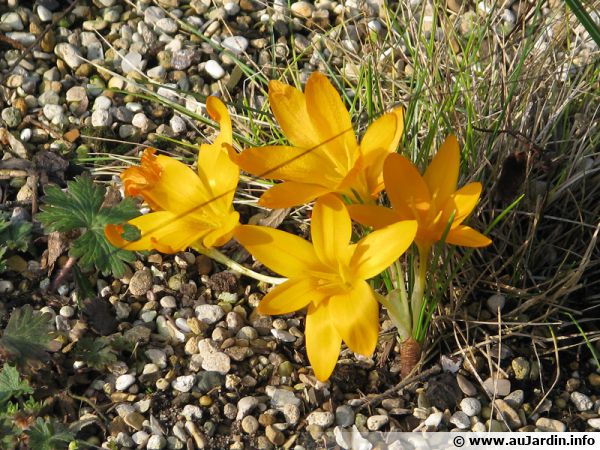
177	124
209	313
470	406
323	419
6	286
12	117
344	416
245	406
495	303
250	425
302	9
594	379
280	397
157	356
124	382
140	283
451	365
283	335
235	44
274	436
166	25
67	311
521	367
594	423
550	425
499	387
140	438
101	118
466	386
124	440
191	412
214	69
291	413
581	401
434	420
168	301
479	427
184	383
156	442
212	359
461	420
140	121
133	61
69	54
376	422
515	399
505	412
134	420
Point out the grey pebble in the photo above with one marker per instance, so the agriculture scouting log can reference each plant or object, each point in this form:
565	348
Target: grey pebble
344	416
470	406
581	401
377	421
209	313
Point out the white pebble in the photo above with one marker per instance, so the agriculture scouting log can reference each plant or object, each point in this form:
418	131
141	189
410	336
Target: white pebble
124	382
184	383
214	69
101	118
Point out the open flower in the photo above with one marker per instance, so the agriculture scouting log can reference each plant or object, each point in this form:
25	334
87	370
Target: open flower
328	277
432	200
190	209
324	155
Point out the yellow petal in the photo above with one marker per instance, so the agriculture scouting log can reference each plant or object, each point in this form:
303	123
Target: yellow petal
374	216
289	107
331	229
289	297
323	342
405	187
462	202
355	315
331	120
290	193
222	232
284	253
162	230
467	237
219	174
378	250
380	138
442	174
281	163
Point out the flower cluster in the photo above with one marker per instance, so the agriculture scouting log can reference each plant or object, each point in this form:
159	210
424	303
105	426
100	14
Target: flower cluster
324	162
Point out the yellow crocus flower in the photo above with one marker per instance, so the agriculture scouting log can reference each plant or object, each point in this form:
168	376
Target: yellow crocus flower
328	278
432	199
190	209
324	155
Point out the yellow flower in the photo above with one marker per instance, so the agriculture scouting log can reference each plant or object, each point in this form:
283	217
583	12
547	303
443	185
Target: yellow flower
324	155
190	209
430	199
328	277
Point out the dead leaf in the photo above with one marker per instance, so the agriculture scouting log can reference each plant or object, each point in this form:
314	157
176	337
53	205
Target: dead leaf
71	135
100	315
57	244
512	176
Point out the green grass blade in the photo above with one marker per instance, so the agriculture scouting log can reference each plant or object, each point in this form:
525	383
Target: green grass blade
585	19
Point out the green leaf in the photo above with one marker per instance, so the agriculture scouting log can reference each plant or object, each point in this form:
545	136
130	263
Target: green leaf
11	384
81	208
2	263
8	434
49	435
95	352
17	235
27	334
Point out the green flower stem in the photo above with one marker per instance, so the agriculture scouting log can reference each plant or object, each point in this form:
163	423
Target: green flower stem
400	282
418	294
237	267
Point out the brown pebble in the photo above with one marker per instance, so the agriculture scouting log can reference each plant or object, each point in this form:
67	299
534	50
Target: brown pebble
275	436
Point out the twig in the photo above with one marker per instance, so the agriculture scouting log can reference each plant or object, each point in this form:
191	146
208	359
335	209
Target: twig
389	392
63	272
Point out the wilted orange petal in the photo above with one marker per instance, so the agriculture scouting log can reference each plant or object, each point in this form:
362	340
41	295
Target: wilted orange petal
378	250
355	315
290	193
284	253
467	237
442	174
290	296
323	342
